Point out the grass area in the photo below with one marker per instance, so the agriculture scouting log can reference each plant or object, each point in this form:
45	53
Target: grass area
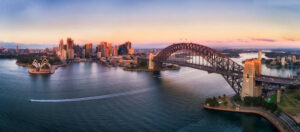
228	104
219	101
290	103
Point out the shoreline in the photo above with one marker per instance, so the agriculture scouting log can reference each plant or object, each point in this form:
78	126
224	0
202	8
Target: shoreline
148	70
265	114
24	65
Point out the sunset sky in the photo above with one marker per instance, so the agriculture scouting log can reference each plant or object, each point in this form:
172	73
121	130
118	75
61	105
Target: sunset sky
245	23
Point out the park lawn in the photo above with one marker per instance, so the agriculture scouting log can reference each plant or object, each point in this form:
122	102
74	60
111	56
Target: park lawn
226	99
289	103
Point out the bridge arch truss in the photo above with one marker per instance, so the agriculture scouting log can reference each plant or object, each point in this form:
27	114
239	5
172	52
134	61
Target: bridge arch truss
218	63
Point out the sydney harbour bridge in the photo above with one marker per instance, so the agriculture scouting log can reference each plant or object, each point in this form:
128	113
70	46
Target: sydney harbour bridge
207	59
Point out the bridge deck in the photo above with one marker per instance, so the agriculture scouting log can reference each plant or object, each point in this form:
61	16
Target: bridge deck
209	69
278	80
262	78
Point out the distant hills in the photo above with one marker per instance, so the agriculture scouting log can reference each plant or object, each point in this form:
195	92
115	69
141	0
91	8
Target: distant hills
24	46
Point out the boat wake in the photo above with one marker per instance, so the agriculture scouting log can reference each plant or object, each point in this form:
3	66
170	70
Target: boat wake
90	98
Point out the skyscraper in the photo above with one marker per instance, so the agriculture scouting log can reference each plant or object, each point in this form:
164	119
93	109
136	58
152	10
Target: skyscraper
115	50
70	43
124	48
98	50
103	48
88	50
70	50
61	44
110	49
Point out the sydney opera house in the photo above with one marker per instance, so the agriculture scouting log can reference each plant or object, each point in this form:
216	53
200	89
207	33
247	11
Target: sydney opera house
41	68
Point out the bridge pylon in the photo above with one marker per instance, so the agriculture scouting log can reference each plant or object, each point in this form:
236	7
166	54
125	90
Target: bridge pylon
151	63
252	68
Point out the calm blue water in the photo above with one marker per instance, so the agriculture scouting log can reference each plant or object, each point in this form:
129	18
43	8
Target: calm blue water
91	97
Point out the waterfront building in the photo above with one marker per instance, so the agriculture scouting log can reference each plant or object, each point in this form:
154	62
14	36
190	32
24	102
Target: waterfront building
283	61
88	50
41	68
1	47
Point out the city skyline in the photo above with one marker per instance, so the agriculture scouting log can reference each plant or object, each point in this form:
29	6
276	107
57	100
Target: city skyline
237	23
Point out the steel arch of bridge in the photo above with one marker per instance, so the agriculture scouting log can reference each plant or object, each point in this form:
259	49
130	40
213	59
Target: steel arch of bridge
219	63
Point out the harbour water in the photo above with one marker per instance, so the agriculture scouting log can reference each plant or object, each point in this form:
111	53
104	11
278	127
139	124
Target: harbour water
91	97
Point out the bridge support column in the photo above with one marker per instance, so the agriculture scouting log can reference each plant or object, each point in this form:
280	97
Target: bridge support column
151	63
278	95
252	68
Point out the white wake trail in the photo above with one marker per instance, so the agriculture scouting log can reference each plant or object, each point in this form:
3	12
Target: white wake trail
89	98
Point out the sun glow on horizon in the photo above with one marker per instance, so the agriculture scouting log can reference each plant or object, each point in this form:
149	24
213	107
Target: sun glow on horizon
216	23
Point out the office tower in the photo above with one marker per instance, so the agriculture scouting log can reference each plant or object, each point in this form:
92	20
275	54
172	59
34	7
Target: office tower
124	48
70	43
110	49
88	50
115	50
78	51
102	47
70	54
63	56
